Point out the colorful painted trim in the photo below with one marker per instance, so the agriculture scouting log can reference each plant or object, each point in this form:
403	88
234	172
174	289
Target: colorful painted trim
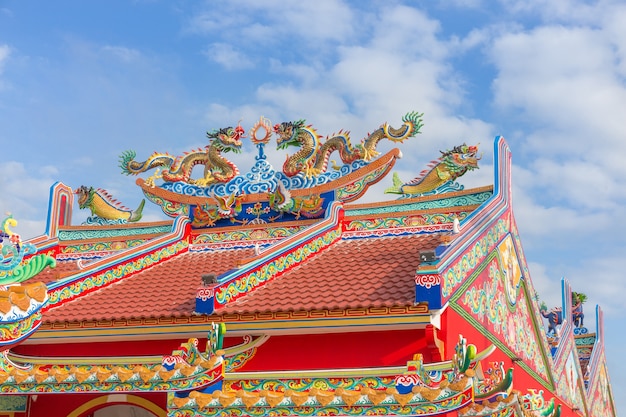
428	290
171	208
60	207
420	389
114	246
243	235
485	227
318	403
104	272
514	405
357	188
398	231
483	302
186	369
84	233
410	220
12	333
469	198
456	273
265	268
70	290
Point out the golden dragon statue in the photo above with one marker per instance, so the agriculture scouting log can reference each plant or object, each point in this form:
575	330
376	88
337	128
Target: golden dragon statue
450	166
217	169
313	156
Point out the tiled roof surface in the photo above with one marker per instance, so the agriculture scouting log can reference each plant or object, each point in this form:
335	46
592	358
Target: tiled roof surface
61	270
165	290
350	274
357	273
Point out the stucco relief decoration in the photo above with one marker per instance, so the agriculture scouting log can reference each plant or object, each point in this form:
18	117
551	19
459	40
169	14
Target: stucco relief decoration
511	271
486	301
602	401
473	256
570	383
427	281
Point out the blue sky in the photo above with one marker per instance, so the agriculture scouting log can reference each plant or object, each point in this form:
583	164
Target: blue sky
81	82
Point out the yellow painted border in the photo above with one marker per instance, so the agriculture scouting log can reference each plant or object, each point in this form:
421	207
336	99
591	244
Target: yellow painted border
123	399
193	329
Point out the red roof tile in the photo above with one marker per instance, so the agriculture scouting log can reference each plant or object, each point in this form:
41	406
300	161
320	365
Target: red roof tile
165	290
356	273
61	270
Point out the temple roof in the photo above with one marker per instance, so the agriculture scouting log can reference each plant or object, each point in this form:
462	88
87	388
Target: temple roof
169	288
166	289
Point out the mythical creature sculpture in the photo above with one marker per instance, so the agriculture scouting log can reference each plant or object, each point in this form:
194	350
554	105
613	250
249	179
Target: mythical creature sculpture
554	316
104	206
310	206
217	169
226	207
450	166
313	156
578	317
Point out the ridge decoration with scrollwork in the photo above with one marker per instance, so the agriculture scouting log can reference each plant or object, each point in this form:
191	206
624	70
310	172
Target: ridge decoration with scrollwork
185	369
421	389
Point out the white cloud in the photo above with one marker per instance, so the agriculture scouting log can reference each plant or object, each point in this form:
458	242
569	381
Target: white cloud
122	53
576	11
261	23
20	189
227	56
4	54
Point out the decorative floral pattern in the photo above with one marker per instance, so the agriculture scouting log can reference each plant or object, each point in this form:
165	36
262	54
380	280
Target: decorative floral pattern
243	235
472	257
441	202
485	300
405	221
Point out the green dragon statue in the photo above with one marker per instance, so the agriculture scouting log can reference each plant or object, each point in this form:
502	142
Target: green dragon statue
217	169
104	206
450	166
312	158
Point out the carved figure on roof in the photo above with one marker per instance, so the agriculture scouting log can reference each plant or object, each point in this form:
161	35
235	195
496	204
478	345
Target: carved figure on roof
13	268
578	317
310	206
224	208
451	165
313	156
554	316
105	207
217	169
20	304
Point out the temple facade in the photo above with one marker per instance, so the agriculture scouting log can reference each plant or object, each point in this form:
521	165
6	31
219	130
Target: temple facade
276	293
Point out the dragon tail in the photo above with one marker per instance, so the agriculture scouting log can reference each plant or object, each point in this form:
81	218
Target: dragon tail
411	125
131	167
136	214
414	119
396	188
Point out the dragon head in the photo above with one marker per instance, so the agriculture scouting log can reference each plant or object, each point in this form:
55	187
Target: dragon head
227	139
288	133
462	158
85	194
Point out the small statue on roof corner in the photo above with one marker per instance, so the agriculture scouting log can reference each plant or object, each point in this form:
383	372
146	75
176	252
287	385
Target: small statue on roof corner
105	209
440	172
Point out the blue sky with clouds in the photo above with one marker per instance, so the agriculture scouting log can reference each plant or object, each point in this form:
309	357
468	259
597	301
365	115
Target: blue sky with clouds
81	82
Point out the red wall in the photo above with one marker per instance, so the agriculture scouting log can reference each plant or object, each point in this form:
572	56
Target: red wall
337	350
